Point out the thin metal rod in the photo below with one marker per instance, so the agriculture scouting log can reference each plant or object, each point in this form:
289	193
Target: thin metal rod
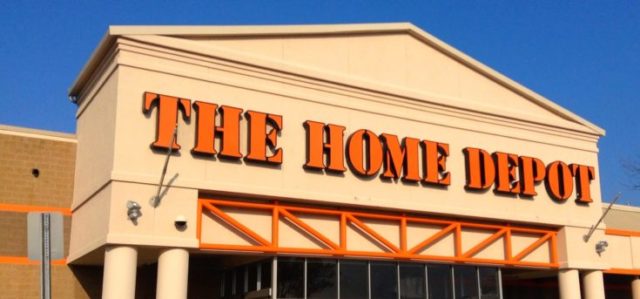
156	199
594	227
46	256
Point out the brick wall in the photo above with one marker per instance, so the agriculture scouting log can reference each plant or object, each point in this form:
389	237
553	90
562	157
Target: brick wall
37	170
23	281
55	162
52	187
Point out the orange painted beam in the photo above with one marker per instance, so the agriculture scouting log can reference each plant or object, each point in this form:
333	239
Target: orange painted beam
531	247
308	229
6	207
437	236
399	251
370	254
507	244
403	235
326	211
458	240
373	233
343	231
239	226
554	247
485	243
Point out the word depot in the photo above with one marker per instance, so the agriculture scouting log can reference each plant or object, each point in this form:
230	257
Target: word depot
363	152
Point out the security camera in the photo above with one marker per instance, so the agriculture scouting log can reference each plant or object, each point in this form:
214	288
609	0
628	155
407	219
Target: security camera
180	222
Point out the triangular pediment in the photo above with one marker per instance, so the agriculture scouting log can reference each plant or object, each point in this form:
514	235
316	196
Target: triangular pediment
391	58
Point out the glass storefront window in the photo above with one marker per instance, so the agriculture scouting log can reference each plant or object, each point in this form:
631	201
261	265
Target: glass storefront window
291	278
412	281
322	279
466	281
489	287
265	275
384	280
239	281
228	284
439	277
306	278
354	281
252	277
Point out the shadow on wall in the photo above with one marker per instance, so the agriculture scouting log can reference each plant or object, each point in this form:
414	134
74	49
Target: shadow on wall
90	279
204	279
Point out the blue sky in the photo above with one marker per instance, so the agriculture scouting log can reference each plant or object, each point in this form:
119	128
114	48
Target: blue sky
584	55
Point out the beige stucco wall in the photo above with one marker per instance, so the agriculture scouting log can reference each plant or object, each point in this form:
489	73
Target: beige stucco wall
623	252
134	160
406	87
622	217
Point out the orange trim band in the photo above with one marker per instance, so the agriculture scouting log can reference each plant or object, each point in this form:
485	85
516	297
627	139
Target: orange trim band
392	250
622	232
23	260
6	207
620	271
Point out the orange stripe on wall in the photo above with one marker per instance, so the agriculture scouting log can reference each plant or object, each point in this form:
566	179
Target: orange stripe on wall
622	232
623	271
23	260
5	207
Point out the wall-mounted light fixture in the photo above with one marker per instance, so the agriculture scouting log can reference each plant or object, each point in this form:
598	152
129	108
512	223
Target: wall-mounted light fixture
601	246
133	210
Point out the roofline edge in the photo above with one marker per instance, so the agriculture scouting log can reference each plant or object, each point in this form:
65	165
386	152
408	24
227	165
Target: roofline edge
267	30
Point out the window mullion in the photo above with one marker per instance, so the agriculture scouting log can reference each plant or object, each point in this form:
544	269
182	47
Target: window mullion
369	279
398	280
304	280
478	286
274	278
500	282
426	281
338	278
453	282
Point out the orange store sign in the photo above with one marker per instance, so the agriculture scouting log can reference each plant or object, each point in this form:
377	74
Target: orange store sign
363	152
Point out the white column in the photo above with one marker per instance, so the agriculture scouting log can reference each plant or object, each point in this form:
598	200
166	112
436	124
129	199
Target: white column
635	287
119	277
173	274
593	284
569	282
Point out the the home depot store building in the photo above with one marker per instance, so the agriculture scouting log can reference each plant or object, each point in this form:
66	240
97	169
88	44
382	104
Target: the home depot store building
355	161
